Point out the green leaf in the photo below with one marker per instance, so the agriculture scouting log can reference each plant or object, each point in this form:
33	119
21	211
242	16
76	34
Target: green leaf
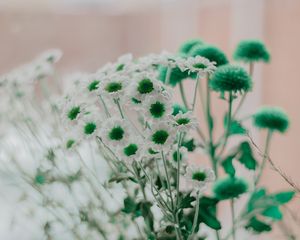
236	127
228	166
129	205
144	208
258	226
186	201
190	145
257	197
207	212
283	197
246	156
121	177
273	212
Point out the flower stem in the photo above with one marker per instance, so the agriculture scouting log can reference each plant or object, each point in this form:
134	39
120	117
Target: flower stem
183	97
266	154
119	107
178	169
195	94
233	218
196	215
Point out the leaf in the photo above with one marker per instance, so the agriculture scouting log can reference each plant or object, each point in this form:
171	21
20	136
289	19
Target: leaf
257	195
207	212
258	226
228	166
144	208
186	201
284	197
273	212
236	127
121	177
246	156
129	205
190	145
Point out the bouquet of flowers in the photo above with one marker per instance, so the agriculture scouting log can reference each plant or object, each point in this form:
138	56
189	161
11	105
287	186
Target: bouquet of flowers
117	148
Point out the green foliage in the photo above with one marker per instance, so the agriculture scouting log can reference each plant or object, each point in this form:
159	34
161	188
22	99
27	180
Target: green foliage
258	226
251	51
229	188
210	52
176	75
189	144
272	118
186	47
177	108
186	201
236	128
230	78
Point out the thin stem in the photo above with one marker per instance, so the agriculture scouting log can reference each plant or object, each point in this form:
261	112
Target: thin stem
119	107
183	97
168	180
195	94
168	75
104	106
196	215
232	218
229	117
178	169
265	157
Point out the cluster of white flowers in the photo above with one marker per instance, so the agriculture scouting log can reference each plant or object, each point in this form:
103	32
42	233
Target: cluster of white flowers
126	107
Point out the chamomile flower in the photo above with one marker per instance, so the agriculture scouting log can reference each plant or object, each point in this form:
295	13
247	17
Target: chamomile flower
161	136
114	86
73	110
198	65
133	150
197	178
157	107
115	132
145	85
185	121
89	125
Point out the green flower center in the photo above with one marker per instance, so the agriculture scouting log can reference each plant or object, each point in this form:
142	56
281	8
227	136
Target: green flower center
199	176
157	109
145	86
70	143
135	101
89	128
40	179
183	121
120	67
199	65
73	113
117	133
113	87
93	85
160	137
175	156
130	150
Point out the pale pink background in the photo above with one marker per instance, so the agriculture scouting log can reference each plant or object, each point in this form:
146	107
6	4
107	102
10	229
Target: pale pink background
92	34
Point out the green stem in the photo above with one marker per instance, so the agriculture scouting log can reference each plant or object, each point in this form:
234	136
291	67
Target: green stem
232	217
195	94
178	169
119	107
265	157
229	117
183	97
196	215
104	106
168	75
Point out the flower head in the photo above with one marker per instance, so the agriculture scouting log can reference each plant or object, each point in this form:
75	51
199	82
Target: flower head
114	86
230	78
188	45
157	107
251	51
131	151
210	52
161	136
272	118
229	188
197	178
177	108
185	121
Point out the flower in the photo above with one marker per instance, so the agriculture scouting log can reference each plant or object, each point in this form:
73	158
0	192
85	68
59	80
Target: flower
251	51
229	188
73	110
272	118
230	78
210	52
186	47
133	150
161	136
185	121
115	132
90	125
157	107
50	56
145	84
114	86
197	178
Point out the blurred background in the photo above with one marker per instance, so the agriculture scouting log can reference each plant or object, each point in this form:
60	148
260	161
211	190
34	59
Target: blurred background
93	32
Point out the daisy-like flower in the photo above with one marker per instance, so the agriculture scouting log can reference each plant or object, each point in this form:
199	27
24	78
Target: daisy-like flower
198	65
157	107
145	85
133	150
114	86
115	132
50	56
161	136
90	125
73	110
185	121
197	178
